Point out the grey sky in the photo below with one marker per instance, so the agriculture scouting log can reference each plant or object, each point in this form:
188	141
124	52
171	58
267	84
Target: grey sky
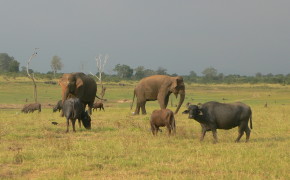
235	37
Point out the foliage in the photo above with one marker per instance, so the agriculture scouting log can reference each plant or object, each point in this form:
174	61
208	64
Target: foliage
124	71
56	64
8	63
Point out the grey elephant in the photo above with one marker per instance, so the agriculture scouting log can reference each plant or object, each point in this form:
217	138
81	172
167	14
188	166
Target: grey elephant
81	86
158	87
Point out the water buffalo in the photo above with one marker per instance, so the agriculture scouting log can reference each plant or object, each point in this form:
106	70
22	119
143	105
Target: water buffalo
215	115
58	106
161	118
74	109
27	108
99	105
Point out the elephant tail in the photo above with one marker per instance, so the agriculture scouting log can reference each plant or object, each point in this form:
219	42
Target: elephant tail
134	94
101	98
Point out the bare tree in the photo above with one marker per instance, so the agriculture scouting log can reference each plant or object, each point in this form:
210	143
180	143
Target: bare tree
32	77
101	62
56	64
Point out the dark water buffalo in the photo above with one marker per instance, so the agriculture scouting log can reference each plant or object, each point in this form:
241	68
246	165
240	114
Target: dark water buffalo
58	106
215	115
73	109
30	108
161	118
99	105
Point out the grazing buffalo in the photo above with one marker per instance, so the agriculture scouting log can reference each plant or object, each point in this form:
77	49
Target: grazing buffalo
99	105
30	108
215	115
58	106
161	118
74	109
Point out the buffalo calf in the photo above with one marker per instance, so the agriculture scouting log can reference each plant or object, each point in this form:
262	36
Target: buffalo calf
73	109
161	118
30	108
99	105
214	115
58	106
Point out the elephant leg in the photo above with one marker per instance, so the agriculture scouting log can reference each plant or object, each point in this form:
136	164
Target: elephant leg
143	107
80	125
90	106
161	102
166	100
137	110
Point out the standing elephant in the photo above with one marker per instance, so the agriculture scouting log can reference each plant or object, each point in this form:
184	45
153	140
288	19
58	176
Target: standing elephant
158	87
80	86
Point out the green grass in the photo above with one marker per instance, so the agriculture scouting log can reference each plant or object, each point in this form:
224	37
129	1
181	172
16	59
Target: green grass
121	146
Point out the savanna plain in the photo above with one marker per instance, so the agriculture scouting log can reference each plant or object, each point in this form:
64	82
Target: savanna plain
121	146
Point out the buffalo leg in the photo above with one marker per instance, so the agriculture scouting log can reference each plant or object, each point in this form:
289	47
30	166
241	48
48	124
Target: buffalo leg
214	133
203	131
73	124
67	125
173	127
248	132
169	127
241	133
154	129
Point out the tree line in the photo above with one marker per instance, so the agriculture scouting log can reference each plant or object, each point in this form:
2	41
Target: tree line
8	65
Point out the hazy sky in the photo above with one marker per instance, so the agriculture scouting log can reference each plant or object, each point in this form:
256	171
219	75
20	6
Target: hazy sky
234	36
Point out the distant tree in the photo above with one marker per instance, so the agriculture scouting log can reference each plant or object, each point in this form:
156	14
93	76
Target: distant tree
56	64
123	71
161	71
192	76
210	73
8	63
140	72
149	72
259	75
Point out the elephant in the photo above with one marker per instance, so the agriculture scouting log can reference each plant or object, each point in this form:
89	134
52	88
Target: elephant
158	87
81	86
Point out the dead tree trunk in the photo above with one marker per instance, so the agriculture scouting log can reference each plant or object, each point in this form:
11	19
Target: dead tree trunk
32	77
100	66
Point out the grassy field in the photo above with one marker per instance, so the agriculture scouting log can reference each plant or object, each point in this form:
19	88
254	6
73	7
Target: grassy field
121	146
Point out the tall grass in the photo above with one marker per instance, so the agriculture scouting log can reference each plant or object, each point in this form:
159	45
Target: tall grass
121	146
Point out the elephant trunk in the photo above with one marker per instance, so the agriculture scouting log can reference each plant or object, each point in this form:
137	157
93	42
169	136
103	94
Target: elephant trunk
65	94
182	96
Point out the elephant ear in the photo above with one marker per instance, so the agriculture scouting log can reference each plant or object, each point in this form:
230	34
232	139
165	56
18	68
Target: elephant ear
79	82
177	81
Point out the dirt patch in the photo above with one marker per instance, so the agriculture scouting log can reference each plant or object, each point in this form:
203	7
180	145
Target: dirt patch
124	101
